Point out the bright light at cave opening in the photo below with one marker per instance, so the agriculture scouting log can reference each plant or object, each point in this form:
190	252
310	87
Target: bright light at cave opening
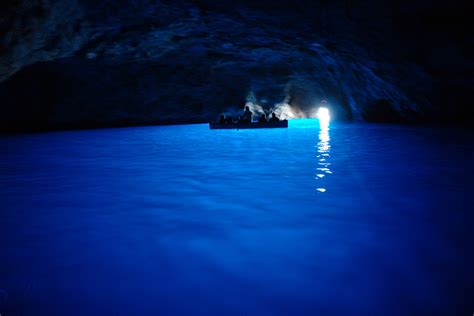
323	114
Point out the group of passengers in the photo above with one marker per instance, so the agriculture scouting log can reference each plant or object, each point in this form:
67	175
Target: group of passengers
246	117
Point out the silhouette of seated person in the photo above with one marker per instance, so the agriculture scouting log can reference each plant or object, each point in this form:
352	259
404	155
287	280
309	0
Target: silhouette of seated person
222	120
274	119
262	119
247	116
229	120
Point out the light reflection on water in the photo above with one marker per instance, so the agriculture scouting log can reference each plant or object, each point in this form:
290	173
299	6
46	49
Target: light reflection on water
323	150
182	220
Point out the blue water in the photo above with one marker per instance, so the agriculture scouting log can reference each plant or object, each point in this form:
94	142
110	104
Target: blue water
352	219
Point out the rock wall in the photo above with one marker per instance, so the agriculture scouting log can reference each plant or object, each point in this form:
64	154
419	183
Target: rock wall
76	63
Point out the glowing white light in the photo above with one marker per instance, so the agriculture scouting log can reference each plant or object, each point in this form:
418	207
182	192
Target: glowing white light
323	114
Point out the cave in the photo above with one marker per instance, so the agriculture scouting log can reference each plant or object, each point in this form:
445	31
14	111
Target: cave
137	63
205	157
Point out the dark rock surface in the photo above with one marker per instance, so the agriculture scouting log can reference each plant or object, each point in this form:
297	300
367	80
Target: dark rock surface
76	63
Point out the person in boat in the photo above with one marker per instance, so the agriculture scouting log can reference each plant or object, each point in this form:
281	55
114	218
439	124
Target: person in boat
229	120
274	118
262	119
247	116
222	119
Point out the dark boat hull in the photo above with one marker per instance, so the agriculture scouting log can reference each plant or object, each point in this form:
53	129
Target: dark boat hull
279	124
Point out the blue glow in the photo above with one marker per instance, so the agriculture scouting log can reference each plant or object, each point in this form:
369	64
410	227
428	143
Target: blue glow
183	220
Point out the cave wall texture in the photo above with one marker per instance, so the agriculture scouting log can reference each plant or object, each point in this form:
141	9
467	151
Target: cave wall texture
74	63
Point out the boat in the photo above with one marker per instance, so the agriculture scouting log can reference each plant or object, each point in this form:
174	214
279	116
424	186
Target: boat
241	125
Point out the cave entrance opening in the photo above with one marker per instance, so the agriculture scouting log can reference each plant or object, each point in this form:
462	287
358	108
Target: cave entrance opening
323	114
324	117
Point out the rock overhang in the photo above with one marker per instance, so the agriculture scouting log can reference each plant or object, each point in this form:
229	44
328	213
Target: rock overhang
165	61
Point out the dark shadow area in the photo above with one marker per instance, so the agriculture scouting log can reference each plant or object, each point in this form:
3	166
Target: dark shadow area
86	63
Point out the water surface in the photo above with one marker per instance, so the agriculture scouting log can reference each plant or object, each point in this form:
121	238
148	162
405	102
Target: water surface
180	220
